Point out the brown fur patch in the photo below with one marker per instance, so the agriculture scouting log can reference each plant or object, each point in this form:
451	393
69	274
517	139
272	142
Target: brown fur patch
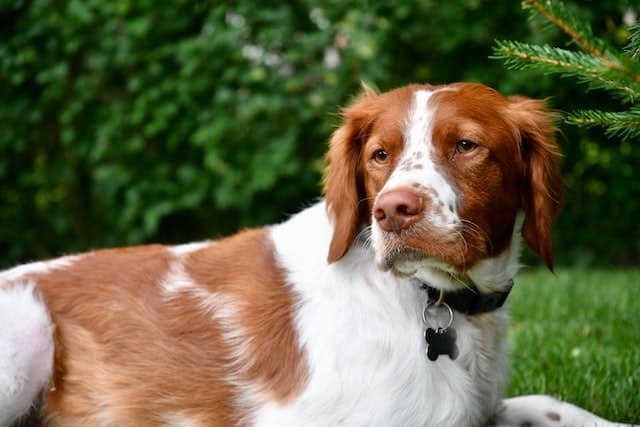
245	270
126	354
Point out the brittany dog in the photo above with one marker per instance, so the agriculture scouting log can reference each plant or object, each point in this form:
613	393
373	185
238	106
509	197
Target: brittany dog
381	305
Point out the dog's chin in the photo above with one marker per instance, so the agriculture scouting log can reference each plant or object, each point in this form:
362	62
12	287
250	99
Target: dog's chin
413	264
401	261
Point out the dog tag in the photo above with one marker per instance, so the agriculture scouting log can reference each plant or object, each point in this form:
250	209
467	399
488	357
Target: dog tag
441	341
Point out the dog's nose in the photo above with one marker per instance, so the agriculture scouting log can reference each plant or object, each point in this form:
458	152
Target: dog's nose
397	210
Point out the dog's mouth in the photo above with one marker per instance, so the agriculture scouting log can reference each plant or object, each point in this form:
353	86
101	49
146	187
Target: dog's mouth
400	256
412	263
445	248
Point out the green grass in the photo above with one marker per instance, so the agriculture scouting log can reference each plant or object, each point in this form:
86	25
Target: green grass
576	335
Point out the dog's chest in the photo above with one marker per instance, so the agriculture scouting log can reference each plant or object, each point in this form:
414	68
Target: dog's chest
362	334
365	347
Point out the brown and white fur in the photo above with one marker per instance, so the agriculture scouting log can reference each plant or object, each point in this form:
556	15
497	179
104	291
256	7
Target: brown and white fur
316	321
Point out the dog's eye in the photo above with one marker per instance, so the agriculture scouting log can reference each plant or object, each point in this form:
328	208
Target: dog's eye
464	146
381	156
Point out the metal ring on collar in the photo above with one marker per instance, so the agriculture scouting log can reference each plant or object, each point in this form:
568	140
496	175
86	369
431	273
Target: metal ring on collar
442	304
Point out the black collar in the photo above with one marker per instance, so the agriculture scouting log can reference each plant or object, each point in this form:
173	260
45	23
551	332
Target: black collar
470	301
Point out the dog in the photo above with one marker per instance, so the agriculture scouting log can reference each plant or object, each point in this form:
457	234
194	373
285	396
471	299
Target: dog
380	305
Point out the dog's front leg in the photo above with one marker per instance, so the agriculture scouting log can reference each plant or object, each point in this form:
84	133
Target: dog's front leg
546	411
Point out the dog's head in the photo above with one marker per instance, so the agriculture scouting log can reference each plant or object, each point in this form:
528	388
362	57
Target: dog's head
446	177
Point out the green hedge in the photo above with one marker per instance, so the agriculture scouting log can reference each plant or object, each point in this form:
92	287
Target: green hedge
124	122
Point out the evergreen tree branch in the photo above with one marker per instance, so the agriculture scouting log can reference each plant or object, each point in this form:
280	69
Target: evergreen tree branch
596	64
633	47
556	13
568	26
587	68
625	124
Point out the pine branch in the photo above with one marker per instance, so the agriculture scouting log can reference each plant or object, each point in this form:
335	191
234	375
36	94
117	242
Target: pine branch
596	65
557	13
586	67
520	56
561	17
624	125
633	47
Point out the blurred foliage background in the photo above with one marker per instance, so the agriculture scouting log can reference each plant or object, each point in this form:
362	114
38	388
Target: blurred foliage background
124	122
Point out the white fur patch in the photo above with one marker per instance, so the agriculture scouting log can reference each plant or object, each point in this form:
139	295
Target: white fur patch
34	268
176	280
224	310
187	248
179	420
418	149
26	349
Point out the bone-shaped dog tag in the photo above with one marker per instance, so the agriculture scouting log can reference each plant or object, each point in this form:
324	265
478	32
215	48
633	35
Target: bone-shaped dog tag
441	341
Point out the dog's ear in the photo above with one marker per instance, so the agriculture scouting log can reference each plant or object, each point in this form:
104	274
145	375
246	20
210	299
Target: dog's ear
343	182
541	182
